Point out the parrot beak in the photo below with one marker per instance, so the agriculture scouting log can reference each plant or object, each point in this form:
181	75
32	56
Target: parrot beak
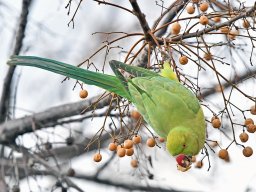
184	162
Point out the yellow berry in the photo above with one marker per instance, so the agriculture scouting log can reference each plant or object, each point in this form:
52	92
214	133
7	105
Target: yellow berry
134	163
244	137
204	6
97	157
223	154
83	94
121	152
216	123
151	142
136	139
112	146
128	144
176	28
129	152
193	159
247	151
190	9
203	20
183	60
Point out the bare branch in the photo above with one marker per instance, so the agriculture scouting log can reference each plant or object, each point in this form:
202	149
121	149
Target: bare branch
235	80
141	17
13	128
6	92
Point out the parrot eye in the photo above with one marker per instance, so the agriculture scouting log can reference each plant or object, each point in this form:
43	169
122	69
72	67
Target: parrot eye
184	145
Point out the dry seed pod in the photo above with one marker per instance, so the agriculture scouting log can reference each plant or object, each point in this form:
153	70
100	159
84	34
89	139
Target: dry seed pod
70	140
71	172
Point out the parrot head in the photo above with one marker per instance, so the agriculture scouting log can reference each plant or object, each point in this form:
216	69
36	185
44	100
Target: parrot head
182	140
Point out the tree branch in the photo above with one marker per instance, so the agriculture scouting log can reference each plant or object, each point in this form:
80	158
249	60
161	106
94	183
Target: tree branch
235	80
6	91
172	11
142	19
13	128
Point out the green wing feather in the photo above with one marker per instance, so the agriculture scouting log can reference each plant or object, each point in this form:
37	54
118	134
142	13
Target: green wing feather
165	103
107	82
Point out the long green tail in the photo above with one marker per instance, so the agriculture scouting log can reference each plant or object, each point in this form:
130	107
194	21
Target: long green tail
107	82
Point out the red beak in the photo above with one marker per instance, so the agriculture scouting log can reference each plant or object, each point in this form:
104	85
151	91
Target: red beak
180	159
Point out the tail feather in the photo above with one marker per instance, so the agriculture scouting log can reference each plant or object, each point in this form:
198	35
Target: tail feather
107	82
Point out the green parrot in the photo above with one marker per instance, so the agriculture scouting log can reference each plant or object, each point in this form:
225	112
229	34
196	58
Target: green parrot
171	109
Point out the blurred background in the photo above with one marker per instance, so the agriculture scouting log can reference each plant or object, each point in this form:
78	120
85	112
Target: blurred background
27	163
